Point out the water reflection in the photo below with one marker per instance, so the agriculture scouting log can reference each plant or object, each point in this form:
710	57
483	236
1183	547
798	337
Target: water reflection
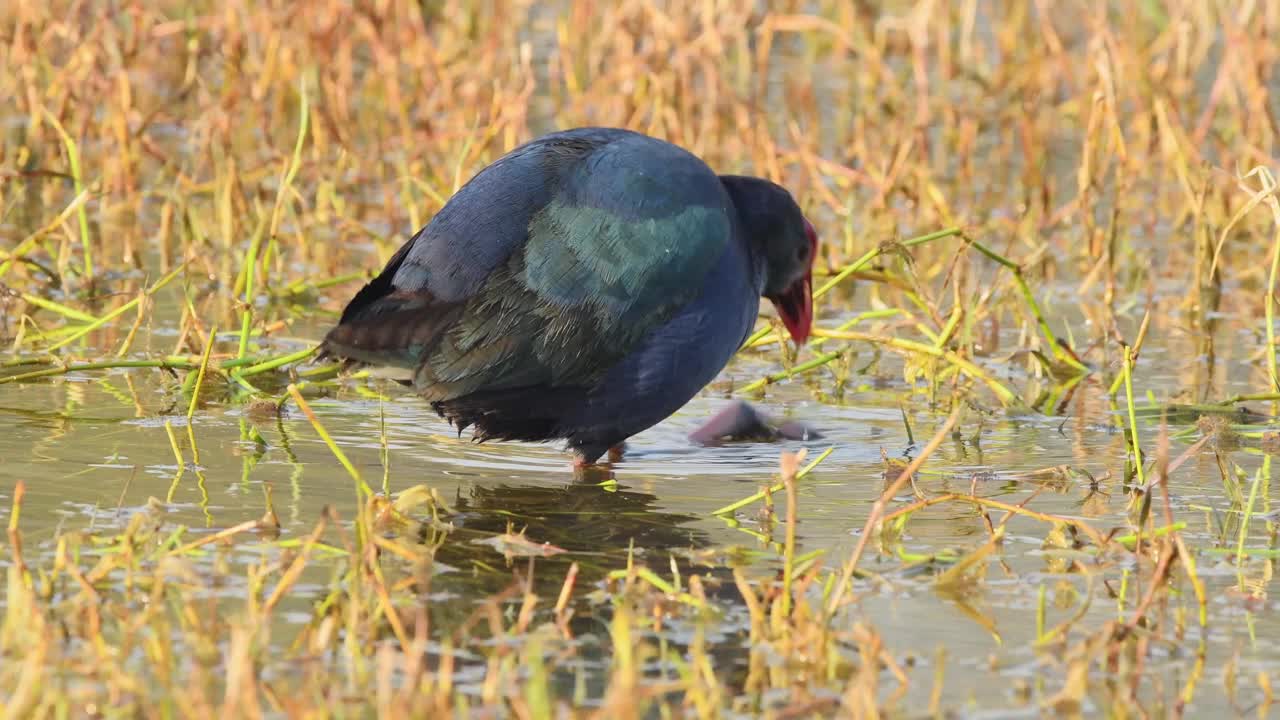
596	525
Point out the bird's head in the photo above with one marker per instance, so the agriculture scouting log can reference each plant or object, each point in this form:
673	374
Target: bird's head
779	232
789	281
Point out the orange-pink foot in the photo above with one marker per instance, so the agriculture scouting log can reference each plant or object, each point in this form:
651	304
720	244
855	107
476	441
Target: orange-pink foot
612	456
605	464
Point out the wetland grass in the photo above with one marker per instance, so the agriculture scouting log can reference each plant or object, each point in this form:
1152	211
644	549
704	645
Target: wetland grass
1027	208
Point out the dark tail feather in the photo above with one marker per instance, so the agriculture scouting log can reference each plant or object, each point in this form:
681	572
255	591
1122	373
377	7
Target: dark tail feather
397	329
379	287
383	325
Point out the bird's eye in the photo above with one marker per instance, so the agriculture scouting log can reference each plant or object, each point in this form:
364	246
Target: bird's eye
802	252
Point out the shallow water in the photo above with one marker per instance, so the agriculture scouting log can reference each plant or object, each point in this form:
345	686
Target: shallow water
92	448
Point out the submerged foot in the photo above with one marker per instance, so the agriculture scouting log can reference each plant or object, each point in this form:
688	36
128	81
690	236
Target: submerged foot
612	455
596	473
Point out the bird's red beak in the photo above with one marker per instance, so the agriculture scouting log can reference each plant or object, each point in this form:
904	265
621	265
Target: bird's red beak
795	304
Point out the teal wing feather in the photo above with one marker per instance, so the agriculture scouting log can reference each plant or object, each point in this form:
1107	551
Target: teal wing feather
626	240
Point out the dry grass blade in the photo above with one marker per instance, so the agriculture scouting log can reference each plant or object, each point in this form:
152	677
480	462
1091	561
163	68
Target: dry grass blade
880	505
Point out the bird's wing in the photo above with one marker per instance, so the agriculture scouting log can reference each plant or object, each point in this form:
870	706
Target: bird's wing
518	288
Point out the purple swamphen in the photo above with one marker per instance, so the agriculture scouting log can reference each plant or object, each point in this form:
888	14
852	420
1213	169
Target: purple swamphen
583	287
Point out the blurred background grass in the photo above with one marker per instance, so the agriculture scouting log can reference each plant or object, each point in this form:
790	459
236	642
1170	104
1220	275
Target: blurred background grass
1060	131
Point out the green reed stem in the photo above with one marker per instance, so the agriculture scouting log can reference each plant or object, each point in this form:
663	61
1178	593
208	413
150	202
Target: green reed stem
168	364
872	254
302	285
1007	397
250	273
361	485
77	177
1129	539
286	182
1134	350
63	310
1244	524
786	374
1059	352
204	365
757	497
1127	375
273	363
819	341
177	455
755	337
120	310
949	329
30	241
